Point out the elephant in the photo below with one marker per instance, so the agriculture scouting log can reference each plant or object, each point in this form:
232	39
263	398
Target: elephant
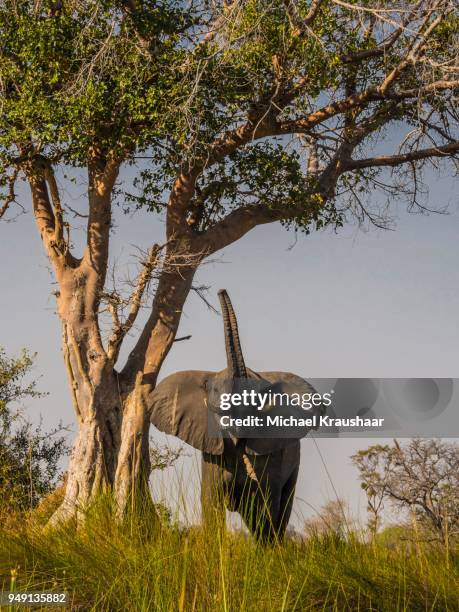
255	477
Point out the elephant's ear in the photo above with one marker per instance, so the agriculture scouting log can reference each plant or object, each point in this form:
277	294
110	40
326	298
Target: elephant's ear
179	409
285	383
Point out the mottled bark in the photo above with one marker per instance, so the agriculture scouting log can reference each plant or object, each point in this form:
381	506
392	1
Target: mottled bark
95	394
111	450
133	461
139	376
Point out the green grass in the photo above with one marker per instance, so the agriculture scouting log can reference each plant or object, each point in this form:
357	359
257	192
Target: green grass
143	565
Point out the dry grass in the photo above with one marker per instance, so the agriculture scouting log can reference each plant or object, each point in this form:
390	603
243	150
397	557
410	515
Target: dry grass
148	565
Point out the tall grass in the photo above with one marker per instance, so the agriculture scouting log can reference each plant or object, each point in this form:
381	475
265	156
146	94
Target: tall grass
146	564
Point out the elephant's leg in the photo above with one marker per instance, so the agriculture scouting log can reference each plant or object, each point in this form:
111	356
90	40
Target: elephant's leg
268	516
258	494
259	508
273	507
272	502
212	492
286	503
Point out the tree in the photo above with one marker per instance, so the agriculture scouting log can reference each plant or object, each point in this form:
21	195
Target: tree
333	520
374	465
422	477
231	115
29	456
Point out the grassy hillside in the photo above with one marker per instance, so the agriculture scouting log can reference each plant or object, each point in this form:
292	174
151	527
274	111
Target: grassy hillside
145	565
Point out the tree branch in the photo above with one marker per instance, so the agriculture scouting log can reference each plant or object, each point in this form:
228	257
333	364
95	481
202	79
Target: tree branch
131	9
395	160
56	203
416	48
180	197
234	139
48	220
11	197
235	225
102	174
121	329
358	100
299	25
240	221
383	47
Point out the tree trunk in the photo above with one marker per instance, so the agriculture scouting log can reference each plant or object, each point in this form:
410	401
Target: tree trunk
89	470
110	454
131	484
111	450
98	408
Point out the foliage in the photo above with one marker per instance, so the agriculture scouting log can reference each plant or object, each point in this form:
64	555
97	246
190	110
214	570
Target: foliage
170	83
29	456
135	566
422	477
163	457
12	374
69	73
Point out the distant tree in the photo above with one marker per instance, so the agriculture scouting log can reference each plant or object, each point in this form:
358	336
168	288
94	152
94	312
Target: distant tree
229	115
333	519
374	465
421	476
29	456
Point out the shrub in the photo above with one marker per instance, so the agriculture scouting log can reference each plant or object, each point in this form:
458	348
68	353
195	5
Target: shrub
29	455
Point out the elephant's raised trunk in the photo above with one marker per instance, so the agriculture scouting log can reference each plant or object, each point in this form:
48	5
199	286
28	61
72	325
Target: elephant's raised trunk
236	365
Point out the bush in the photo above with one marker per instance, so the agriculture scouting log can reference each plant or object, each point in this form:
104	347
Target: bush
29	455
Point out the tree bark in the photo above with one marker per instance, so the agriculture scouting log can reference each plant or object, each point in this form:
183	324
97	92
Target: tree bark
92	464
131	483
111	450
140	375
96	399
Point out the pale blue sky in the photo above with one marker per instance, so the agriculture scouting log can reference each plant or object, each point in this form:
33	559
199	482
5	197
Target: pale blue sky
376	304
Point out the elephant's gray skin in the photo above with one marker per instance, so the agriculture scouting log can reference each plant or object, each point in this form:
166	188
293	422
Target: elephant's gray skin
255	477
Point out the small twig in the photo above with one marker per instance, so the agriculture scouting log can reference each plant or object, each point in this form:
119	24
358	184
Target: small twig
143	280
200	290
11	197
75	212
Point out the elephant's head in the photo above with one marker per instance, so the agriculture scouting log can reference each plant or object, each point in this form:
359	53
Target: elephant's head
183	403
